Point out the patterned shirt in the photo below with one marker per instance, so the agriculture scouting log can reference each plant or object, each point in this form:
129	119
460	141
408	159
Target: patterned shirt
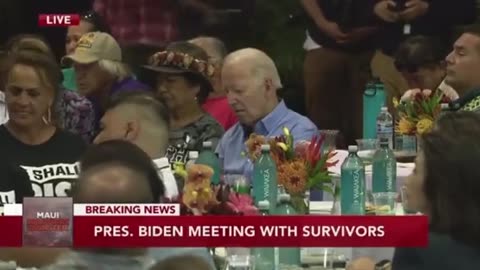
191	138
150	22
469	102
76	114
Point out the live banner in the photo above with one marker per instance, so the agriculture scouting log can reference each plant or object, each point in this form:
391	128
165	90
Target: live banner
151	226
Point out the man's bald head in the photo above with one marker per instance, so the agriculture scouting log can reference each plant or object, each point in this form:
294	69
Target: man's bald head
257	62
251	80
112	183
214	47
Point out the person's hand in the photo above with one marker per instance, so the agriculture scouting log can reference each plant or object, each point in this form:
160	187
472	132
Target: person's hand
383	9
358	34
414	9
333	31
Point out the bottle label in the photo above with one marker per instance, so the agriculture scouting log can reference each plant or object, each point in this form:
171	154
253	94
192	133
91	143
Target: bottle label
352	191
384	128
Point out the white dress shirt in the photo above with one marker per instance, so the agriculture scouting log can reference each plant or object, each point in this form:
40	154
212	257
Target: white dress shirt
3	109
165	172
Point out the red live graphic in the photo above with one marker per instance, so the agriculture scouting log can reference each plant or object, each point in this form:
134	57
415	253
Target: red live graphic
58	20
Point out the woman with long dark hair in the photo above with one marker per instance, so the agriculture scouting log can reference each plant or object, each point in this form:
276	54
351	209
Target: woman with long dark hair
445	186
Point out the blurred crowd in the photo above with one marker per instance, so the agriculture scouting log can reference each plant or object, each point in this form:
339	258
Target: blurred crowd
142	81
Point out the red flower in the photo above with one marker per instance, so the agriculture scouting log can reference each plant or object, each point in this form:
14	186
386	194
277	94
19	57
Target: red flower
313	152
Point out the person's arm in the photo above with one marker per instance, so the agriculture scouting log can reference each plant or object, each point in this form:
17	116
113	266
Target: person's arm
330	28
304	131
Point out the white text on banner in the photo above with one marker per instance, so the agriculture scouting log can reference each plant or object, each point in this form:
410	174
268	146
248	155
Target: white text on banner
162	209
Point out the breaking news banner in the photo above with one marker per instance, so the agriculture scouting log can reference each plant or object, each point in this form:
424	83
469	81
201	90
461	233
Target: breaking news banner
159	225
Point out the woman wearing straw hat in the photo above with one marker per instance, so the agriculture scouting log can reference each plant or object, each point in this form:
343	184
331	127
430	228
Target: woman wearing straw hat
181	77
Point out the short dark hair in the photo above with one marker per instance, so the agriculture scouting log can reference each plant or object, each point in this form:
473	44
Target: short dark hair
142	99
130	156
98	22
452	153
420	52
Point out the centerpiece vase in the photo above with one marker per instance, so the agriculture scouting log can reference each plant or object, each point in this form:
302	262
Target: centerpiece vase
301	203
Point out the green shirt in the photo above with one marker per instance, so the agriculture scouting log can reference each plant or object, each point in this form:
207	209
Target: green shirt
69	79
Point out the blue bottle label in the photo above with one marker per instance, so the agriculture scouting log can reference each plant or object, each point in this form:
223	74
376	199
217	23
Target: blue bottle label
352	191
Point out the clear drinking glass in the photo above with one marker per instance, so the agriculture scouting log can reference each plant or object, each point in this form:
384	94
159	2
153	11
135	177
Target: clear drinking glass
330	142
384	203
366	149
239	259
404	198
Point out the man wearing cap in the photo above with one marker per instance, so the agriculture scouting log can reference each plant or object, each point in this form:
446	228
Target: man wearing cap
99	70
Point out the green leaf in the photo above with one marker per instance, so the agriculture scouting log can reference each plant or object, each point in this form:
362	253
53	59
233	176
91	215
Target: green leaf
328	188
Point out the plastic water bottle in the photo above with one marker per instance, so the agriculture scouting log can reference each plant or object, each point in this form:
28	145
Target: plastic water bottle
265	179
287	256
192	158
264	257
384	165
208	157
352	186
385	126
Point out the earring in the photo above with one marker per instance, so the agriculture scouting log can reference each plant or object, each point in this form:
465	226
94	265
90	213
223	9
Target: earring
47	120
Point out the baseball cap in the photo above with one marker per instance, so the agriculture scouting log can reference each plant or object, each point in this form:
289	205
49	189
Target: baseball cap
93	47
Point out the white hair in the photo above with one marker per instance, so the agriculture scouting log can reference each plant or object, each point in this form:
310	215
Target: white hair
261	65
118	70
267	70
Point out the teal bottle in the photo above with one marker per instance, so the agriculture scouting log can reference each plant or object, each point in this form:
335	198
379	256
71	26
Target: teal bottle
208	157
384	169
265	256
352	184
265	179
287	256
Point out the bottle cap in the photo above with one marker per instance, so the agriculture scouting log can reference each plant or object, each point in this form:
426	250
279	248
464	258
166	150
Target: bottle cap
192	155
445	106
384	109
352	148
284	197
207	144
265	147
263	205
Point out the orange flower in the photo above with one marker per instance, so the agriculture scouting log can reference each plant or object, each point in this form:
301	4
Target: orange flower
293	176
254	145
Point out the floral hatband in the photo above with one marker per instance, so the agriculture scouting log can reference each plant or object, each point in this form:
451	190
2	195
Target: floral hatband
182	61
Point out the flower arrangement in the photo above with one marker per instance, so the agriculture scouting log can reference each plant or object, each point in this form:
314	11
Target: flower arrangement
417	110
200	197
300	167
